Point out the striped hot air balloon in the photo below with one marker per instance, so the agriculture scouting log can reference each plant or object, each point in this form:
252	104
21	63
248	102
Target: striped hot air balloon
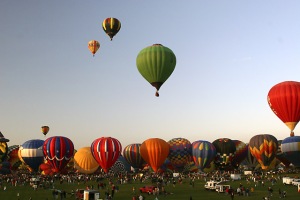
290	147
133	156
58	151
106	151
111	26
93	46
31	153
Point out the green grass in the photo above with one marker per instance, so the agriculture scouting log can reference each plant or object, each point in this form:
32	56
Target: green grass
179	192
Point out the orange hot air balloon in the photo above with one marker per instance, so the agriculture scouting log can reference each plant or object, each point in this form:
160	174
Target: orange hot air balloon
84	161
93	46
155	151
283	99
45	130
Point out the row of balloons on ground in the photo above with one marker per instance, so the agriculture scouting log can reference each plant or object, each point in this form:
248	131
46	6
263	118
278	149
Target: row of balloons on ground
57	154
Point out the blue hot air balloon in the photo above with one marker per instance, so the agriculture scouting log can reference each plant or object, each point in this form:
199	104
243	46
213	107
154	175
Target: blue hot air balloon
31	152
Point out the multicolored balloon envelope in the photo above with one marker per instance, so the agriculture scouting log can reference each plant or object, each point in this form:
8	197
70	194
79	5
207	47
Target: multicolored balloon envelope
106	151
84	161
58	151
264	148
45	130
283	99
203	153
111	26
240	153
133	156
180	152
155	151
156	63
13	158
93	46
290	147
121	166
225	152
31	153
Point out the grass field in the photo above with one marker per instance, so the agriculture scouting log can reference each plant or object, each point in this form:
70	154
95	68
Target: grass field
179	192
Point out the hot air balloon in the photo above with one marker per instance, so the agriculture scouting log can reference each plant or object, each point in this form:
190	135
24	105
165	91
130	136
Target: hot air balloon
45	130
13	158
156	63
290	147
180	152
106	151
58	151
155	151
31	153
281	156
93	46
283	99
203	153
121	166
84	161
111	26
133	156
225	152
240	153
264	148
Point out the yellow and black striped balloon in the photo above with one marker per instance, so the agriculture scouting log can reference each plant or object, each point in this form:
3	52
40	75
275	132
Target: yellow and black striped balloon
111	26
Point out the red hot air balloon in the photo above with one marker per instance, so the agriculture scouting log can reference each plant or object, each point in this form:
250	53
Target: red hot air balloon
155	151
58	151
106	151
284	99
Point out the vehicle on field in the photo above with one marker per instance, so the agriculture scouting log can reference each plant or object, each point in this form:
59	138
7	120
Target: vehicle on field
287	180
148	189
296	182
222	188
211	185
235	177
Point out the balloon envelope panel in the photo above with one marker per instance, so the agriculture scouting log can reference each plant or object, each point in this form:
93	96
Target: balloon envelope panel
291	149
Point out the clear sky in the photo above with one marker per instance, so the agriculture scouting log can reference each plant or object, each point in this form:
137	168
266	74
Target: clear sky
229	54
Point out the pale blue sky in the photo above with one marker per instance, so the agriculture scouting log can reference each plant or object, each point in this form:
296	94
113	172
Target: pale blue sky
229	54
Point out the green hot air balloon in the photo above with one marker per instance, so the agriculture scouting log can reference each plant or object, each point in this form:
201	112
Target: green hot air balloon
156	63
